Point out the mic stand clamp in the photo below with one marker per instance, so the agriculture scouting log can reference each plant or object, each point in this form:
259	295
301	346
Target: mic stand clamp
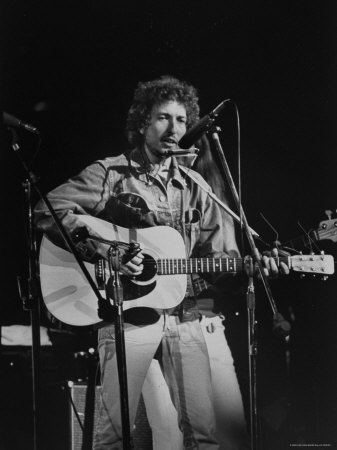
114	292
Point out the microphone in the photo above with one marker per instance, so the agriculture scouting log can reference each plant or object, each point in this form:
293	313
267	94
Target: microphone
188	152
200	128
12	121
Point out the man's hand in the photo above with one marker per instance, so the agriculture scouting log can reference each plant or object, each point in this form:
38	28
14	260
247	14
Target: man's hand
270	267
133	267
129	267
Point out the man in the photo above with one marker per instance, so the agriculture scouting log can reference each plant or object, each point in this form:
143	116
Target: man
138	189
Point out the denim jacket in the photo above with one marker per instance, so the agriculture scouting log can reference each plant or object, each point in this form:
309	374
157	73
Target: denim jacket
123	190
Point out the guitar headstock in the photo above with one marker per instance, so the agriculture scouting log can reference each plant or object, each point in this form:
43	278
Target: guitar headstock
314	264
327	229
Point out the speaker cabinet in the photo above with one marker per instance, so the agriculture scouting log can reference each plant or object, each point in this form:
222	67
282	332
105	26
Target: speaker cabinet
84	401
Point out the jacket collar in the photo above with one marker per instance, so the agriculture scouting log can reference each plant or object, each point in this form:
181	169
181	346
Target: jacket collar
138	164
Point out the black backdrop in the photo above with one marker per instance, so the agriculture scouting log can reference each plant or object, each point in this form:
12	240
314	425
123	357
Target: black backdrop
70	68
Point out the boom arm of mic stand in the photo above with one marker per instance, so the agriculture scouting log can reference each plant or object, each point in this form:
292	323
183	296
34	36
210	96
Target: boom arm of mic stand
33	180
70	245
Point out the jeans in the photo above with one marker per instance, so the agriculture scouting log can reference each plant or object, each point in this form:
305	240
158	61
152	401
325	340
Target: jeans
231	429
185	365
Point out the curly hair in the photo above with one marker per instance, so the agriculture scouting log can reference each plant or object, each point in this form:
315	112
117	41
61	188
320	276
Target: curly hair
151	93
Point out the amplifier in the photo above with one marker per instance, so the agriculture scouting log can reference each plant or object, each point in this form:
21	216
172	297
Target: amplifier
83	408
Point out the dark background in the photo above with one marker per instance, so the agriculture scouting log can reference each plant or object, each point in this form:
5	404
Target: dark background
70	68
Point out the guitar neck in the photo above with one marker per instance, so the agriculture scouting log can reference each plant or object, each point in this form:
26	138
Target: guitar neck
167	266
177	266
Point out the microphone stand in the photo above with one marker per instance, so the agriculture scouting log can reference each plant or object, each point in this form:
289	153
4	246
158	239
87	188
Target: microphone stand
33	303
279	323
114	291
29	295
113	313
252	348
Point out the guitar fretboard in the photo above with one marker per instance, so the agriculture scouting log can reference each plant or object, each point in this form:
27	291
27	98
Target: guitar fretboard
168	266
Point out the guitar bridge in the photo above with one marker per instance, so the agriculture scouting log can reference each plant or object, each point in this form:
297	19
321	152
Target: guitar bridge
100	273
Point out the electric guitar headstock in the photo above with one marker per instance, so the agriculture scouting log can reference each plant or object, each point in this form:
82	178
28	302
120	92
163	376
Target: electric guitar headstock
317	264
327	229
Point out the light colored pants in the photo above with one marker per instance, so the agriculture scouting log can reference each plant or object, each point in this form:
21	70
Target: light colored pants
186	369
231	430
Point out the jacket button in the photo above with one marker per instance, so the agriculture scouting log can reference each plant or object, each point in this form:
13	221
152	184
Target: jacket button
162	198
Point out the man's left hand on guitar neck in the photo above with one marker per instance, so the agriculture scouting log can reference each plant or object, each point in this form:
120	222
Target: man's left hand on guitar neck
270	267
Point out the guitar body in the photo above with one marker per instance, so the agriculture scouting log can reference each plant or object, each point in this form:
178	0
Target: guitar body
68	295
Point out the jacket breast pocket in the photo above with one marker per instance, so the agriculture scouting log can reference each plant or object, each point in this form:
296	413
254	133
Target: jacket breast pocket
192	229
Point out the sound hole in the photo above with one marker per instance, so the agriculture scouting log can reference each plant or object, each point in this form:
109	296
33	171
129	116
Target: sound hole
133	290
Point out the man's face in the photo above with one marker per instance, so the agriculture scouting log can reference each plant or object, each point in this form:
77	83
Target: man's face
167	126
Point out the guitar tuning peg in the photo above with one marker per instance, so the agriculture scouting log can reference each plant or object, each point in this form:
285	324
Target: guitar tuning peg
325	278
328	212
322	252
302	275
